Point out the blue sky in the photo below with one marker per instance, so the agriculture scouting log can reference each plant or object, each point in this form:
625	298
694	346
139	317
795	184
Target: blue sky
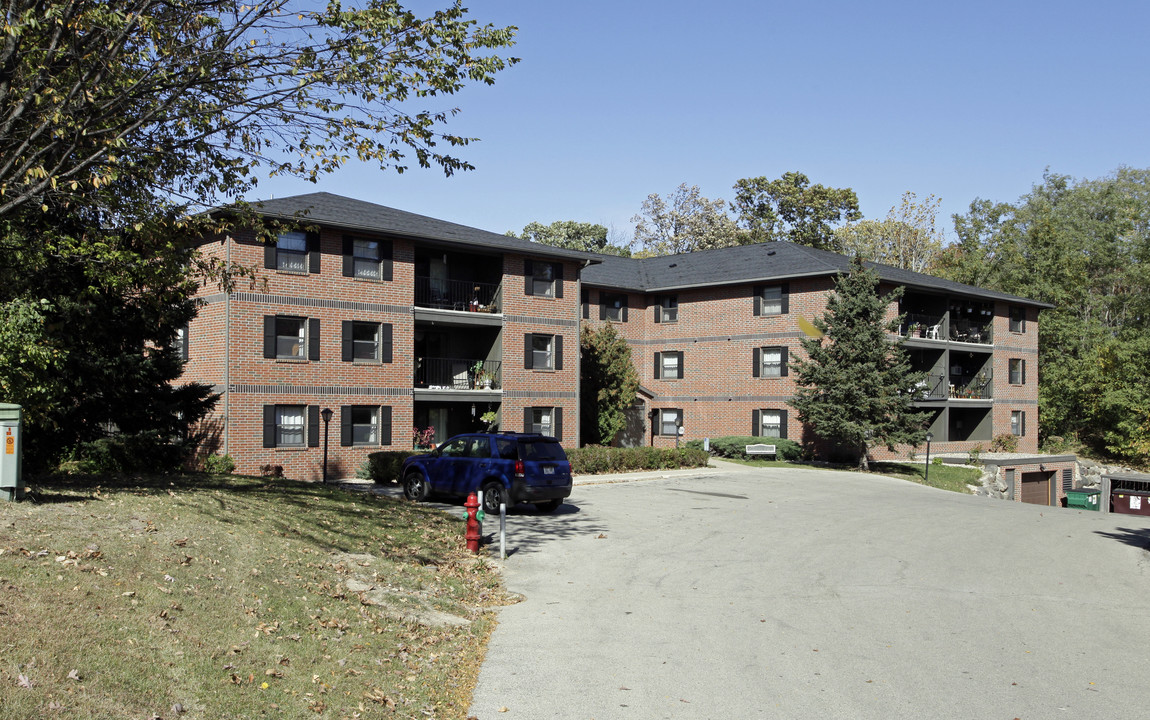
616	100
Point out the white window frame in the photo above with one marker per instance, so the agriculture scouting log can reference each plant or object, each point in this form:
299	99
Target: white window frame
772	300
768	369
288	257
669	309
299	337
543	420
291	419
356	343
1018	423
365	258
671	368
364	432
1011	364
670	418
770	429
543	279
546	354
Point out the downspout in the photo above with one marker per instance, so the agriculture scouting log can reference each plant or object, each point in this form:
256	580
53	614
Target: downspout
579	355
228	352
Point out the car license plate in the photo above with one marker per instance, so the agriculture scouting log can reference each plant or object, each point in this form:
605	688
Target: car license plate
548	471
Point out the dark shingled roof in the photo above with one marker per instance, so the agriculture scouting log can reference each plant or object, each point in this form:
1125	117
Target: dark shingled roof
762	262
331	210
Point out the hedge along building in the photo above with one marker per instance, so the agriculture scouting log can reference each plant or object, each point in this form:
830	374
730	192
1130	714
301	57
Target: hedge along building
394	322
712	333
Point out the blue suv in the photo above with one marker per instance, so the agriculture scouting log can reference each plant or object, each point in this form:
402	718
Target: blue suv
508	468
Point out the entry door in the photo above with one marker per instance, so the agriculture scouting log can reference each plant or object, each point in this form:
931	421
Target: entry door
1036	488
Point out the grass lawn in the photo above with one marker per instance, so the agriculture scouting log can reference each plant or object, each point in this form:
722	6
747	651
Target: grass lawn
943	477
236	597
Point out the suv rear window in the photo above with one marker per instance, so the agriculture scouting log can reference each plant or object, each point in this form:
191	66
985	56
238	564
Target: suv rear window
540	450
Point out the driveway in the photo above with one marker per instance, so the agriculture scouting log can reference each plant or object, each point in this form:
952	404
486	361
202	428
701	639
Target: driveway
739	593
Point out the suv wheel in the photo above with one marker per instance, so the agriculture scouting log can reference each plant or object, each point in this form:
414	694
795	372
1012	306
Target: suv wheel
494	494
549	506
415	487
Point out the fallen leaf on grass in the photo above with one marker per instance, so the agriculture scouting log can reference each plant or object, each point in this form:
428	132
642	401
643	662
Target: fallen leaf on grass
24	682
601	536
73	675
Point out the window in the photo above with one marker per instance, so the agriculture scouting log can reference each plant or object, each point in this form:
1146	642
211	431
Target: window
670	420
291	338
1017	371
770	362
366	342
182	342
770	423
291	252
366	259
771	300
1017	319
543	352
543	279
364	425
669	366
1018	422
666	308
612	307
289	426
542	421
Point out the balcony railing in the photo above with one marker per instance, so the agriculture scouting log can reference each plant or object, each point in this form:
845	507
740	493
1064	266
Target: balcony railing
458	374
970	332
930	327
933	387
456	294
972	388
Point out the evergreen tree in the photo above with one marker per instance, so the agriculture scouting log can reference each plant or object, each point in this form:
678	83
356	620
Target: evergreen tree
856	385
608	383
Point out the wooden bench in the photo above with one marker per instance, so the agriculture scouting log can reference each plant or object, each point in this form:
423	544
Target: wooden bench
760	449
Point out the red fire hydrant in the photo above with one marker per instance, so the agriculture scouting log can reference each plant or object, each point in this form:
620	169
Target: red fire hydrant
472	504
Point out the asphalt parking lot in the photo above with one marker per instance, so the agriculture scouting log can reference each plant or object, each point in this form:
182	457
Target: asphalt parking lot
738	593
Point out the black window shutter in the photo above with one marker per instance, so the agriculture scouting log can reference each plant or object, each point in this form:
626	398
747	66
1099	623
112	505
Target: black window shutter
269	336
1023	372
345	425
187	341
756	423
270	255
385	260
623	314
526	419
313	252
527	354
658	308
557	423
757	293
586	302
348	256
346	341
786	292
782	423
783	358
758	360
313	425
558	352
269	426
529	277
385	342
385	425
682	372
558	275
658	365
313	339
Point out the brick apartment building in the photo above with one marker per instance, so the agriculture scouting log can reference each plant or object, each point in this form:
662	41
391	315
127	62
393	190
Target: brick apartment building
393	320
712	332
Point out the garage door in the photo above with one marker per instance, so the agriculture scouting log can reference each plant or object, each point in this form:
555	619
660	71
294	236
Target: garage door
1036	488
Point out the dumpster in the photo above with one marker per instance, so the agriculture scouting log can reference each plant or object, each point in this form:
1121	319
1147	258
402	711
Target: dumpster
1130	502
11	477
1084	498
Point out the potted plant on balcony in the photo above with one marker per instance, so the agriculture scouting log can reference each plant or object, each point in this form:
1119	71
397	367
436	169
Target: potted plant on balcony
488	418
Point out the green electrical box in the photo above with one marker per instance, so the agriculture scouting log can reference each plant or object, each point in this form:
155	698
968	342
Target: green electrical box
11	474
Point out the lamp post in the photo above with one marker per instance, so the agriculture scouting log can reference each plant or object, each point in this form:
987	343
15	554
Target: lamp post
926	475
326	413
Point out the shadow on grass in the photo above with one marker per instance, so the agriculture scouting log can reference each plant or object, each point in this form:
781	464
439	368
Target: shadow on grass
1135	537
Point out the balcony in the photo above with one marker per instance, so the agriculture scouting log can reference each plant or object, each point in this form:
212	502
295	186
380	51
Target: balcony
968	331
457	374
927	327
462	295
937	387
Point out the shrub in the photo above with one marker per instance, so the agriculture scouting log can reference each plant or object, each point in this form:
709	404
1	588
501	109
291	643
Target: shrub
1004	443
219	464
594	459
735	447
384	466
125	454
